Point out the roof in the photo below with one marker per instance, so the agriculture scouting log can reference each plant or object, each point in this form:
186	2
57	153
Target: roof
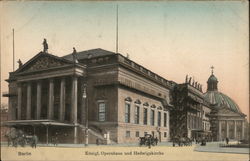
89	54
212	78
40	54
221	100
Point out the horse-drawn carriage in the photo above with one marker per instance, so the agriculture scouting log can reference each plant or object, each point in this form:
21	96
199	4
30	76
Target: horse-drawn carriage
18	137
148	140
182	141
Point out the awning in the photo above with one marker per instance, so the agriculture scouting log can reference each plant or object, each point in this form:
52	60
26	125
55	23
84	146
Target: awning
35	123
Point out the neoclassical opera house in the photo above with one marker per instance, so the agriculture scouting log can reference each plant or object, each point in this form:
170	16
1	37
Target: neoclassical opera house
227	120
89	94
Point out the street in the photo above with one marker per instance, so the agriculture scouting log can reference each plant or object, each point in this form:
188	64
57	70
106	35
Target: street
116	153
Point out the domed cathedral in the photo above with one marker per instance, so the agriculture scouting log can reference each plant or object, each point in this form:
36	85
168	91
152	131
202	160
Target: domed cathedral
227	120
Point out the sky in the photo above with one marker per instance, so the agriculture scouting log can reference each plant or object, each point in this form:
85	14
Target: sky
170	38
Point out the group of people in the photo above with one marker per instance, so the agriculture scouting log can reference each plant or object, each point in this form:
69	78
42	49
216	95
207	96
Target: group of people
54	140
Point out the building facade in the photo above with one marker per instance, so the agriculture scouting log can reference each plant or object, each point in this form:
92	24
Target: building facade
110	96
186	118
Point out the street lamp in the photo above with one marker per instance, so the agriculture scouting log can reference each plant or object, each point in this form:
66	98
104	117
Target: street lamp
84	95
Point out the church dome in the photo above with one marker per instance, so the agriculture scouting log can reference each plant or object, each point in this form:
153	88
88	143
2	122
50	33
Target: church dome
220	100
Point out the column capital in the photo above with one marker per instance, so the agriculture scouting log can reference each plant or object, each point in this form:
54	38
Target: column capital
51	79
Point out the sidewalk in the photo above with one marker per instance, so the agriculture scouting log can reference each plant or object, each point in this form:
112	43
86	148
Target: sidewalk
93	145
214	147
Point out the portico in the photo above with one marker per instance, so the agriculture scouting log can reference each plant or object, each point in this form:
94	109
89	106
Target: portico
48	90
231	128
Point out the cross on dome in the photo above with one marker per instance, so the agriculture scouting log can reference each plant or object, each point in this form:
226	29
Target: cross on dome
212	67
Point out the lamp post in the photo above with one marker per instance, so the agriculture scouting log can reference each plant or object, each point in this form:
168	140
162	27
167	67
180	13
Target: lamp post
86	113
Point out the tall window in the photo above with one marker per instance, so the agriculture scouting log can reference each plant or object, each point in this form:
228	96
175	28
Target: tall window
159	118
102	111
127	113
137	134
152	117
145	116
137	114
165	119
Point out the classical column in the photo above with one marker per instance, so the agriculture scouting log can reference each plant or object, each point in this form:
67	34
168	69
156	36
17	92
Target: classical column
47	134
19	101
38	99
51	99
74	100
75	134
83	105
62	100
74	106
168	127
235	129
11	110
28	110
219	136
243	130
227	122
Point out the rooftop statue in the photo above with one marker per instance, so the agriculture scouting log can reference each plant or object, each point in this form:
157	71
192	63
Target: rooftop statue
45	46
75	55
20	63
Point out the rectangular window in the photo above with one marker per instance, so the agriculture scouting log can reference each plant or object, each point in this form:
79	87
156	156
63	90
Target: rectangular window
165	134
152	117
102	111
137	114
127	134
145	133
127	113
159	118
145	116
137	134
165	119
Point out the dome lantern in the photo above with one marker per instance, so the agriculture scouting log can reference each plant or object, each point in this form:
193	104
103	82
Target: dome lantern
212	82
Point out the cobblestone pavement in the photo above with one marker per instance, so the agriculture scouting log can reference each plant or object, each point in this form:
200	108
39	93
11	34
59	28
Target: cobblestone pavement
115	152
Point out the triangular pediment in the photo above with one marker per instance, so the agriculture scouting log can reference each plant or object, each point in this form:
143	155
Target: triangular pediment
42	61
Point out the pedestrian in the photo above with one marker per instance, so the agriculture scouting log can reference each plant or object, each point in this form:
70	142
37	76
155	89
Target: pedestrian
34	141
156	140
149	142
227	140
97	141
